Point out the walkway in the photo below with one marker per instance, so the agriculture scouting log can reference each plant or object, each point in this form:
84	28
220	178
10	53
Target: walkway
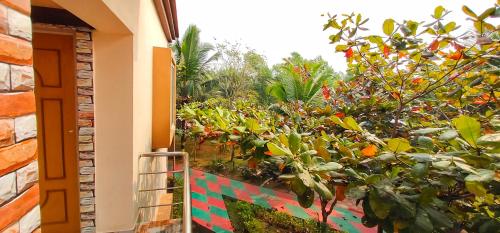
209	210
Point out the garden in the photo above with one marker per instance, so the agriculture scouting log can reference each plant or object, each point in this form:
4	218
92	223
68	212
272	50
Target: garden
409	133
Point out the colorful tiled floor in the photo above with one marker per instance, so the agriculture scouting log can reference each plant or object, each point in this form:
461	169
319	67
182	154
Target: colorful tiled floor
209	210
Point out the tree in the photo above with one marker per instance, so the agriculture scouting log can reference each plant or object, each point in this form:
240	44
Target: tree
408	71
300	81
240	73
193	59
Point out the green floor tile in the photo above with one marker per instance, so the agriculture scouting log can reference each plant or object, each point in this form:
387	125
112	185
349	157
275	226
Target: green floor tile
227	191
201	183
344	225
348	215
267	191
259	200
219	212
237	184
200	214
199	197
211	177
217	229
214	195
298	211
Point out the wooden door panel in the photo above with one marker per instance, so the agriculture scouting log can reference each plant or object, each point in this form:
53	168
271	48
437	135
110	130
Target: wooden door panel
52	119
54	64
49	65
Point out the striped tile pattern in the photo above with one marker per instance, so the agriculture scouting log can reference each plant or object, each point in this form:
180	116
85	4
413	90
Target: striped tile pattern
209	210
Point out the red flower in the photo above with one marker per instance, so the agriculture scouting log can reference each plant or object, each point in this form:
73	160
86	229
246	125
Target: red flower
349	53
340	114
387	50
483	99
326	92
455	56
434	45
417	80
268	153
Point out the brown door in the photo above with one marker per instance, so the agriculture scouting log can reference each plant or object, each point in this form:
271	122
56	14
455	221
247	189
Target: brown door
54	64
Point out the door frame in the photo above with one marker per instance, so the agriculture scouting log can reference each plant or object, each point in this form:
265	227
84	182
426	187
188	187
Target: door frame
55	30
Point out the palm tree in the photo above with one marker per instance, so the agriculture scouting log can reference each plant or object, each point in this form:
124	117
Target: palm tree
193	59
301	80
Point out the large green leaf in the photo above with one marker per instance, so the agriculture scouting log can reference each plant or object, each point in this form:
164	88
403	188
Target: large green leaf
322	190
277	150
439	219
469	12
438	12
338	121
294	140
489	139
380	207
352	124
397	145
423	222
297	186
427	130
331	166
448	135
482	175
307	198
476	188
306	178
469	128
388	26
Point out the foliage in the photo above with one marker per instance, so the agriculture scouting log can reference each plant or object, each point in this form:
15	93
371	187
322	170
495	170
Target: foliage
193	58
415	70
412	134
247	217
301	80
177	210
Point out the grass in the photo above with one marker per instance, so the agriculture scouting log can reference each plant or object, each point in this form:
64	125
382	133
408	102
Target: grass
250	218
177	197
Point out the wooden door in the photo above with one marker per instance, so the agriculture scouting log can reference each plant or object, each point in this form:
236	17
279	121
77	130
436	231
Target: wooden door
54	64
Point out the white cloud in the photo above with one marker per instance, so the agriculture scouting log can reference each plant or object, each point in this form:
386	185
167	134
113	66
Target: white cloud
276	28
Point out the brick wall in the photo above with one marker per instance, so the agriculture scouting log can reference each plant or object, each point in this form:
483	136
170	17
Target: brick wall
85	87
19	193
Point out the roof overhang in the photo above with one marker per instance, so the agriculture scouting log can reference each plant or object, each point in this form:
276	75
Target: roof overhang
167	12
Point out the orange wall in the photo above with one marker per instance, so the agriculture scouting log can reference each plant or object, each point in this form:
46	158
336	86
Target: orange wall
19	193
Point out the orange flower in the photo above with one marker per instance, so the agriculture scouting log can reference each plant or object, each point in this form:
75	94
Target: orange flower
387	50
417	80
268	153
369	151
340	114
483	99
434	45
455	56
349	53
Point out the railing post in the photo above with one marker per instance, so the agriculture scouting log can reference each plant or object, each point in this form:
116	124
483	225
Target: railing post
186	217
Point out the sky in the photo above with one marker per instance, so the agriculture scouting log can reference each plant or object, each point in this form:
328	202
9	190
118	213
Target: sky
275	28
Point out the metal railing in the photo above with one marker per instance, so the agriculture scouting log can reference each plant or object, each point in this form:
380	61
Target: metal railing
186	203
